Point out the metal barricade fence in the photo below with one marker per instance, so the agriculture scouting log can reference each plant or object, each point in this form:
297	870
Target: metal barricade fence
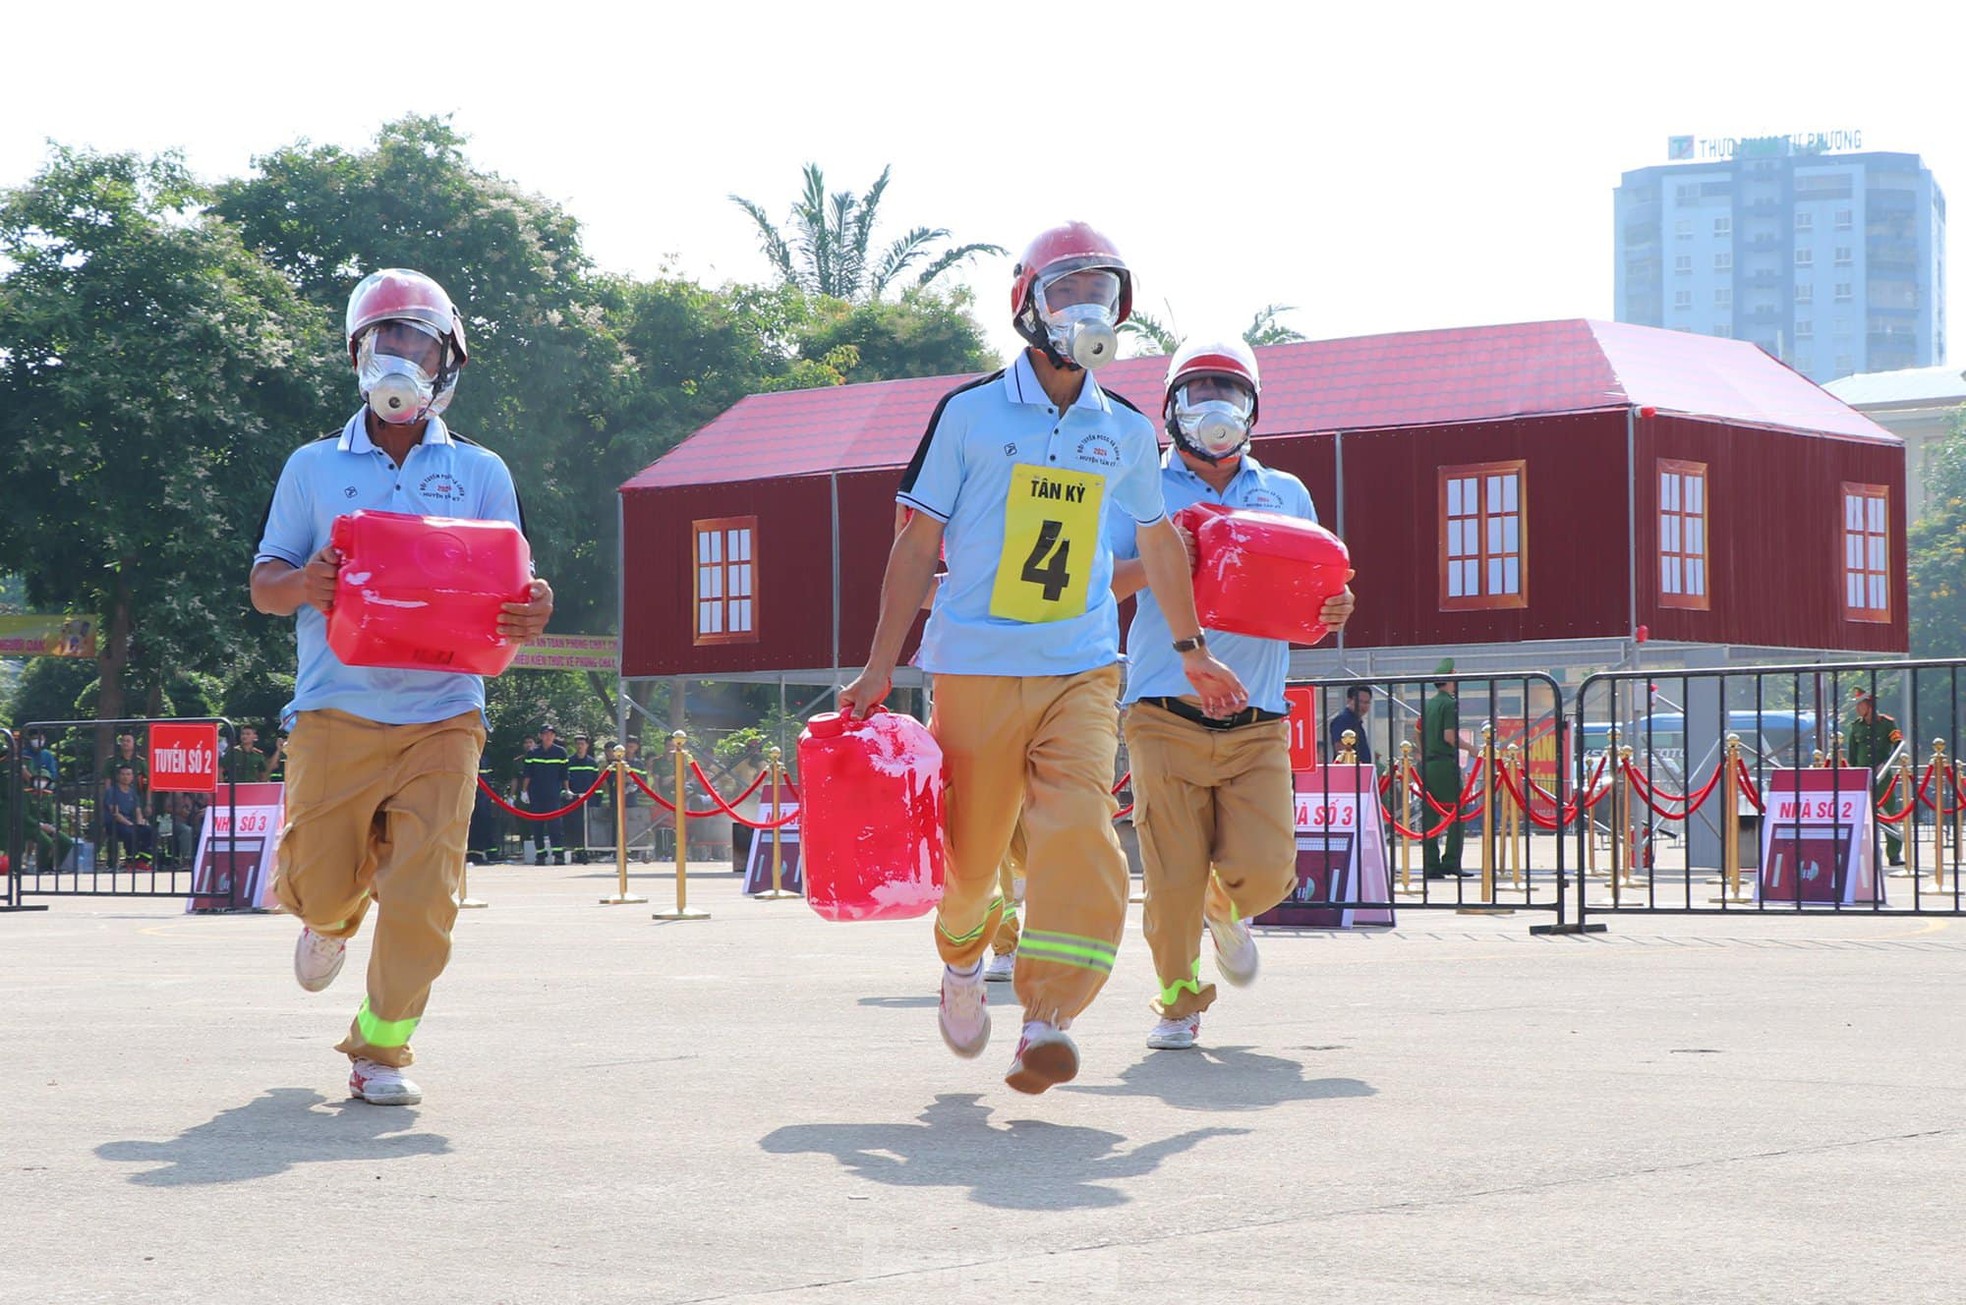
1466	773
62	839
1808	789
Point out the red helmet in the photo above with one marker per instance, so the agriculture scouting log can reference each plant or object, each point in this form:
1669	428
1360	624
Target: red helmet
1068	248
398	294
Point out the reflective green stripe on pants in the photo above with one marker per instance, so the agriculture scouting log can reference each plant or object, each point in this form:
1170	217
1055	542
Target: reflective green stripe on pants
1067	949
378	1032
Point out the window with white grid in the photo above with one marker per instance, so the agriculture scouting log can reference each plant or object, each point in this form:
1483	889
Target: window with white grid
1483	552
1866	552
1682	534
726	580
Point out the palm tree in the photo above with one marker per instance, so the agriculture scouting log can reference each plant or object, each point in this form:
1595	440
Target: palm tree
1159	336
827	246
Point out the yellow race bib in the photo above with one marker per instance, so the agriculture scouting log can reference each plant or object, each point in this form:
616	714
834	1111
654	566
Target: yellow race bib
1050	534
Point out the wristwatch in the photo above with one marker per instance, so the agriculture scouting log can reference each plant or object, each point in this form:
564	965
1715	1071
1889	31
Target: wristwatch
1189	645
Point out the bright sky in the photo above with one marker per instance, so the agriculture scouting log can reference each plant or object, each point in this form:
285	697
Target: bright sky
1380	167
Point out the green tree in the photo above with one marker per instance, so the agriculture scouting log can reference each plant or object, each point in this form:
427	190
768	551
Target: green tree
1155	335
151	373
1936	548
827	246
921	334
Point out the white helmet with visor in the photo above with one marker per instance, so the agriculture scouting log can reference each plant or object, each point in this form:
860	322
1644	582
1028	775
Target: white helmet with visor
1211	398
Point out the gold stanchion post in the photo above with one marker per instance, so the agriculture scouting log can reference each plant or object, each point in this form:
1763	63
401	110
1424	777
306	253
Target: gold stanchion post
1939	771
1489	827
683	911
1403	777
1348	748
778	888
618	762
465	900
1517	852
1730	826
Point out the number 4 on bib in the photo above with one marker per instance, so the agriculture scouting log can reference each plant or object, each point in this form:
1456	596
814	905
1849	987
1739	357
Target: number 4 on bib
1050	536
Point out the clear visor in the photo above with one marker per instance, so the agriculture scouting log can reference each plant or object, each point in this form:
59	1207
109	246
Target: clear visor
410	342
1196	391
1096	287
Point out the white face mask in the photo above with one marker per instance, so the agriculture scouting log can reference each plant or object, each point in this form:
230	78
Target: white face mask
398	390
1087	329
1216	427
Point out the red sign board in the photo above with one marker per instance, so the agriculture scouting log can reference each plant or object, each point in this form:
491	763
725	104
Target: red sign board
183	758
1303	728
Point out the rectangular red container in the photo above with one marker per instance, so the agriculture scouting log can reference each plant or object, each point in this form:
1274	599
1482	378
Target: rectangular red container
424	593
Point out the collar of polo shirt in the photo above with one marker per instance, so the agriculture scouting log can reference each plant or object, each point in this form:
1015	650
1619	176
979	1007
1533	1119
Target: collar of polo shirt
355	435
1020	384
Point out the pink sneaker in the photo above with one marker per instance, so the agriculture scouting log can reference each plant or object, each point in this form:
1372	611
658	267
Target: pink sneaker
382	1085
965	1013
317	959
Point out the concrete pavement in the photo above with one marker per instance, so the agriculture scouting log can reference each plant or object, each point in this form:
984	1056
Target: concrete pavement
757	1108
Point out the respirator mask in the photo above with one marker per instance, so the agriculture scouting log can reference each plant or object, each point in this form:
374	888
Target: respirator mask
404	372
1212	416
1079	311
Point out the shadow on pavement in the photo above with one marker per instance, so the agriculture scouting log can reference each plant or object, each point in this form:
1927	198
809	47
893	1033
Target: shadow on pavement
903	1003
1024	1164
272	1133
1222	1079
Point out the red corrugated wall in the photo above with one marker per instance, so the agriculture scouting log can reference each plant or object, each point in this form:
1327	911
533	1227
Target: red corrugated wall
1774	517
1574	528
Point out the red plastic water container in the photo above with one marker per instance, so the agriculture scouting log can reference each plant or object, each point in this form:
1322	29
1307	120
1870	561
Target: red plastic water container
423	593
870	816
1263	574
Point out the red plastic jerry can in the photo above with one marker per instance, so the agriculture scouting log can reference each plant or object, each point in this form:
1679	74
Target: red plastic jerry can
1263	574
424	593
870	816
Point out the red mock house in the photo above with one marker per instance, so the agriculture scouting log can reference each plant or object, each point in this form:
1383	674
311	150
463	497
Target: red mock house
1526	496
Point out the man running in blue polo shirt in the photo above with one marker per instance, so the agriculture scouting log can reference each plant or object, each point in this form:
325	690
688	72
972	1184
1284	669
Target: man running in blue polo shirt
1212	798
1015	475
381	764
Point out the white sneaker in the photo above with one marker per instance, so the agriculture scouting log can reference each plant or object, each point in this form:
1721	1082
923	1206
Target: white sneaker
965	1013
1000	968
317	959
1046	1057
1235	952
1175	1035
382	1085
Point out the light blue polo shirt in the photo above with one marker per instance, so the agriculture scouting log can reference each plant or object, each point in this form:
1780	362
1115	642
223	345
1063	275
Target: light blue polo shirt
444	476
1022	490
1153	667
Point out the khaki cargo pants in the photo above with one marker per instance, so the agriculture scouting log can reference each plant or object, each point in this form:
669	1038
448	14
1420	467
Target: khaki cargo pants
380	813
1218	836
1043	745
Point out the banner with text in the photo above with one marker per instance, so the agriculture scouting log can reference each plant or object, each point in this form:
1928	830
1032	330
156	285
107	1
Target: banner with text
757	865
1343	874
570	652
48	636
234	867
1816	839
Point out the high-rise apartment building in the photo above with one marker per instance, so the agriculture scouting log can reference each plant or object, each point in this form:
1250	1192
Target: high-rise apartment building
1832	262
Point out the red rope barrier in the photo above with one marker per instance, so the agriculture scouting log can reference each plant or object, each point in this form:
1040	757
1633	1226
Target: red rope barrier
663	802
1467	794
1646	792
1748	790
1541	822
1124	811
1125	779
574	805
732	811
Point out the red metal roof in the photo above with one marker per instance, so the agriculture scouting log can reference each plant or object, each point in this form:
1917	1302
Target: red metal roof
1415	378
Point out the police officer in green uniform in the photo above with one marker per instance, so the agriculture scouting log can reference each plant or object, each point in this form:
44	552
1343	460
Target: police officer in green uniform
244	762
583	768
41	826
1440	771
1869	740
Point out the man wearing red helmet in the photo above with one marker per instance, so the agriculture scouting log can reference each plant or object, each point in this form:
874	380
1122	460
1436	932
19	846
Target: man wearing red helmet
1212	797
381	764
1012	481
